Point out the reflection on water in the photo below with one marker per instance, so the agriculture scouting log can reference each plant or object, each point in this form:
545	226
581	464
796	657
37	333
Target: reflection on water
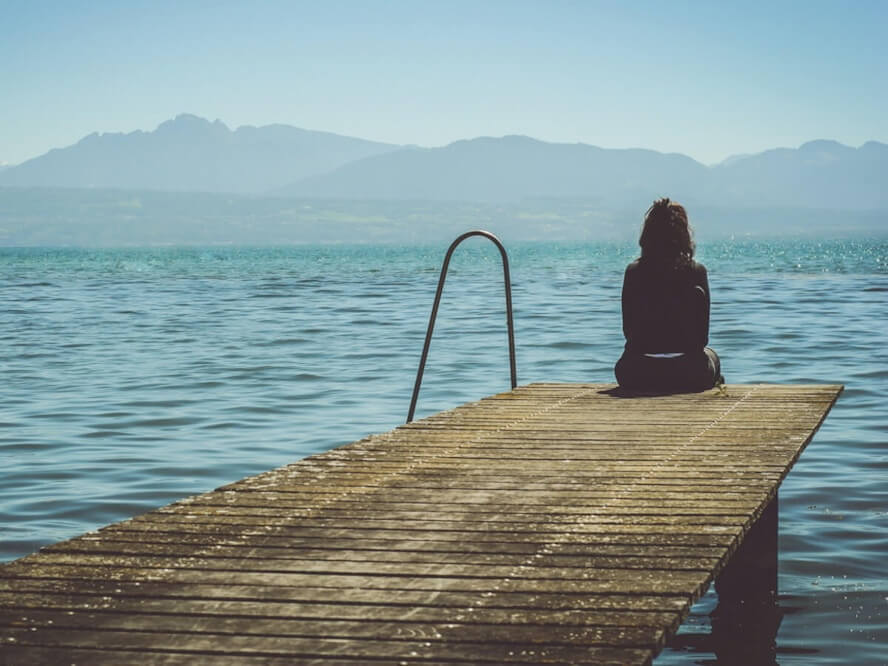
135	377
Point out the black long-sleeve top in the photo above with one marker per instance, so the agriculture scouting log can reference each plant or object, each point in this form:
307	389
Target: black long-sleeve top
665	309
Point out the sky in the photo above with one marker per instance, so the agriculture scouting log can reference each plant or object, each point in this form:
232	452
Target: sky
707	79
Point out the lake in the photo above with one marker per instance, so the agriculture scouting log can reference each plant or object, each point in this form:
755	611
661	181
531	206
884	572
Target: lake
134	377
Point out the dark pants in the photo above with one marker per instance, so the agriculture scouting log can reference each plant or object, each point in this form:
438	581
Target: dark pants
694	371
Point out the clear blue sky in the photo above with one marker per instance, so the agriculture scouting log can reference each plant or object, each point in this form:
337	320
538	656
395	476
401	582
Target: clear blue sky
708	79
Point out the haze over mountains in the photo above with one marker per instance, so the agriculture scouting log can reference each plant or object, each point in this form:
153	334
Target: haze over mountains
191	154
192	181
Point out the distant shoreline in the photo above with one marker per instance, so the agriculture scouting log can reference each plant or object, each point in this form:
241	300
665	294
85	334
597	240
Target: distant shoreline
108	218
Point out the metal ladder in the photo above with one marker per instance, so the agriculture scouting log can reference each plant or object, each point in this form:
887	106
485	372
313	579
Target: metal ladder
509	323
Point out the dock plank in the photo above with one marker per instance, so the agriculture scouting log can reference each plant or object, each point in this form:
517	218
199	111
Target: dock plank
555	523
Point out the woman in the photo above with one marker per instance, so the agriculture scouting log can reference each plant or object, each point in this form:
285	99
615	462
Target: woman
666	310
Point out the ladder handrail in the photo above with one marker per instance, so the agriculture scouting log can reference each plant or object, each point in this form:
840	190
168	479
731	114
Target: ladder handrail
428	339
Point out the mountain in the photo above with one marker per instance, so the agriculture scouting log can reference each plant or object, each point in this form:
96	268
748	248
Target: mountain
819	174
189	153
508	169
731	159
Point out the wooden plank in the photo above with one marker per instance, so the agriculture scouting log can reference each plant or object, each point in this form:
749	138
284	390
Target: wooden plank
550	524
115	592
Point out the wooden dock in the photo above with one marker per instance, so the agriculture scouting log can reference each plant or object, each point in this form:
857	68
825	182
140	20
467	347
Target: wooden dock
553	524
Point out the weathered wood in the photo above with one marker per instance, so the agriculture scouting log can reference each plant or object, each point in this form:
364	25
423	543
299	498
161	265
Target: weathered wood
553	524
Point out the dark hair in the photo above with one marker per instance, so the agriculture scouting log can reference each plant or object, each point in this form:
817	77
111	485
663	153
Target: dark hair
666	237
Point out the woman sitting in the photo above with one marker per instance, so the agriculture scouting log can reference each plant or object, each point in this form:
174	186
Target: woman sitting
666	310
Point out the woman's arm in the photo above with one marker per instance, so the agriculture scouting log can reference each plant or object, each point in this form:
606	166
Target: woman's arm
700	325
630	299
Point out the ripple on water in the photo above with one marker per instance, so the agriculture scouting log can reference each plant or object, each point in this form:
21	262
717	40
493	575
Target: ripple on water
136	377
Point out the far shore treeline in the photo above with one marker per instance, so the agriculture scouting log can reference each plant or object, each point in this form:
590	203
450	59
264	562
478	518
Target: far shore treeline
82	217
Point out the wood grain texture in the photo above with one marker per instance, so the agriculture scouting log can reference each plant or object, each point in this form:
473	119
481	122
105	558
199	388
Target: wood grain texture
553	524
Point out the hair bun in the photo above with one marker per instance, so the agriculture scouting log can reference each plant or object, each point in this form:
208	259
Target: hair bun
666	236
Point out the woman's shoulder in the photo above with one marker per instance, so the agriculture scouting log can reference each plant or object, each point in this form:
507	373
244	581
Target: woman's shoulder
698	268
634	273
693	270
654	267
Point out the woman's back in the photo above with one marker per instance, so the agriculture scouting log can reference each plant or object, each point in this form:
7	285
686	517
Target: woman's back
665	308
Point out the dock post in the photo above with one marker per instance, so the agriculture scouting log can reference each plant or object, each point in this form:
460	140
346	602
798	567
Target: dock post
746	620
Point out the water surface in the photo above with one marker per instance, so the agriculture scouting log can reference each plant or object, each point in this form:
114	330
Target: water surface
134	377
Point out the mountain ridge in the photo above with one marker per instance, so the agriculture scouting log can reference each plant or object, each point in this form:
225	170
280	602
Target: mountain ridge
818	174
190	153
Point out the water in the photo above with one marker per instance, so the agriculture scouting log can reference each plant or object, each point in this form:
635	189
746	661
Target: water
134	377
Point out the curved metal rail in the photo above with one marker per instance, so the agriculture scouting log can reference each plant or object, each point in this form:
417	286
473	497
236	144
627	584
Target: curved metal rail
509	323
